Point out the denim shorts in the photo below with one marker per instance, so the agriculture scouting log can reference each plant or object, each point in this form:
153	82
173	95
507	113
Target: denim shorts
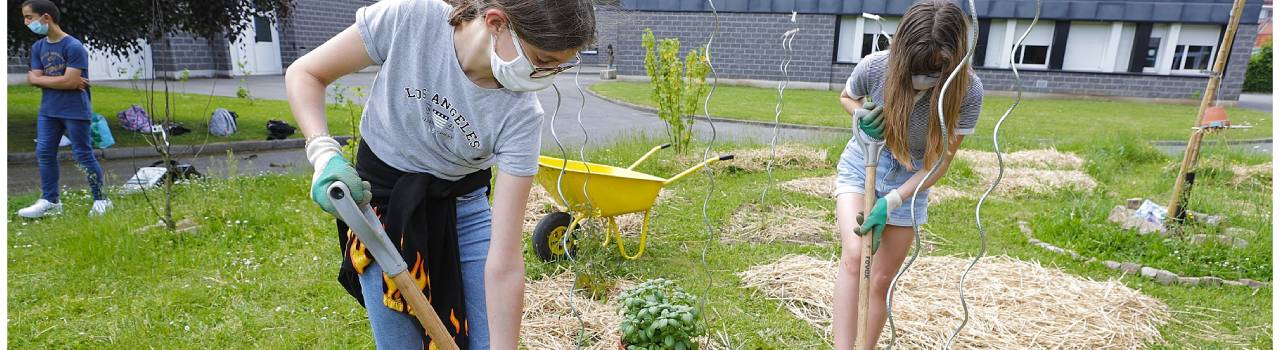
890	174
395	330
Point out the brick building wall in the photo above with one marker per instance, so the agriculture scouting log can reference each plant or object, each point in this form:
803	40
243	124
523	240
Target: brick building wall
202	57
312	23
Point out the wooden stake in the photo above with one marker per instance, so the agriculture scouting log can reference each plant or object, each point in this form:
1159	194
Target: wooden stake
1192	153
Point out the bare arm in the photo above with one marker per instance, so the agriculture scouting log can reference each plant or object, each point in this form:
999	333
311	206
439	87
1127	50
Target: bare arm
908	188
849	103
504	269
71	80
307	77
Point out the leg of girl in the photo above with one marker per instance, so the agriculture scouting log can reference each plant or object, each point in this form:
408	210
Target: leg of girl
894	244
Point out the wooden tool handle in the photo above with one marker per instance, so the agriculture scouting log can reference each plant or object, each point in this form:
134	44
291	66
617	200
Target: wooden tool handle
864	269
423	310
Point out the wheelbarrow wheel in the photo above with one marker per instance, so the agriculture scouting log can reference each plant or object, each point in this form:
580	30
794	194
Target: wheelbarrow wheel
548	237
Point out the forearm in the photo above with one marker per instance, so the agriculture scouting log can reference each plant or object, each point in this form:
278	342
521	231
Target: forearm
908	188
49	82
849	103
504	267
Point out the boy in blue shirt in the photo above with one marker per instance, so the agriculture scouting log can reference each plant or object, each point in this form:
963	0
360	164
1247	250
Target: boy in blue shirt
60	67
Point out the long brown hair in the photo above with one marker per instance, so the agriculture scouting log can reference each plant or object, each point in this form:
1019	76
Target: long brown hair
552	25
931	39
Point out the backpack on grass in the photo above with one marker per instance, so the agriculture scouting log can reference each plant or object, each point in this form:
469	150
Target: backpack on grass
223	122
135	119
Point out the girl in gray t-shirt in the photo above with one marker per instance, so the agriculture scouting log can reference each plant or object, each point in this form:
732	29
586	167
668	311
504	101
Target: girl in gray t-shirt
454	97
899	88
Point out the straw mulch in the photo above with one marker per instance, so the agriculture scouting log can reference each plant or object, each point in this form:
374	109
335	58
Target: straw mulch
824	186
550	323
1036	158
780	223
1029	172
789	156
1244	173
1013	304
1031	180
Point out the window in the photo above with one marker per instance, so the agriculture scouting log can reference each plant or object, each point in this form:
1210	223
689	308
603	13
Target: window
1035	55
868	41
1194	58
1192	49
1153	53
262	29
855	37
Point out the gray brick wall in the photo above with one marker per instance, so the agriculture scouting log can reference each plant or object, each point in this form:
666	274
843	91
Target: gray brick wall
749	47
173	53
312	23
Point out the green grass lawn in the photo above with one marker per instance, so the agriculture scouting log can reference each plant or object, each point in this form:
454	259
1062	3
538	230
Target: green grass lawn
192	110
1047	121
261	271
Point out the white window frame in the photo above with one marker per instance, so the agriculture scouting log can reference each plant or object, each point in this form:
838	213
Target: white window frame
1164	33
1186	43
861	26
1011	35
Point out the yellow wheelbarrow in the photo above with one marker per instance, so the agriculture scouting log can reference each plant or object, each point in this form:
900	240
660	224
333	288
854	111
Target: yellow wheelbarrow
610	191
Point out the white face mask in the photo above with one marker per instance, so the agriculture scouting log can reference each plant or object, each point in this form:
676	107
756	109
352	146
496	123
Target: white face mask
514	75
924	82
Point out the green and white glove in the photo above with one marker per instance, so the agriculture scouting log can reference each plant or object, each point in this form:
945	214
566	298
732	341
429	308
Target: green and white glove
869	120
878	217
325	156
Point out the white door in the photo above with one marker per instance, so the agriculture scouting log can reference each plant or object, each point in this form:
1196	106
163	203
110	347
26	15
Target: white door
135	65
257	50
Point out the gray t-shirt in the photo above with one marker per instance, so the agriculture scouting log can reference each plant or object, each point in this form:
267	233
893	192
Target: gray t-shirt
424	114
868	80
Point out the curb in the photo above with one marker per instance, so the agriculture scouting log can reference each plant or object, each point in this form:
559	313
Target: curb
1229	142
719	119
1158	275
177	150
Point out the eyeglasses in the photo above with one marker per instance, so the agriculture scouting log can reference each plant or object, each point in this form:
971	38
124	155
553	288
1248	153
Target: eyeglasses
540	72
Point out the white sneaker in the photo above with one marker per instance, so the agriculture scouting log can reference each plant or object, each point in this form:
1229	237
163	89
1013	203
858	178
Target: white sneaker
100	207
40	209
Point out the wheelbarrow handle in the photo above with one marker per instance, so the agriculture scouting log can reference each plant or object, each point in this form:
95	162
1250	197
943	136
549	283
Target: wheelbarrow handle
648	154
697	167
364	222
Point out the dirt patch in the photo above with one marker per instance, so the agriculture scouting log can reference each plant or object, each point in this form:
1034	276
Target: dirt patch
1013	304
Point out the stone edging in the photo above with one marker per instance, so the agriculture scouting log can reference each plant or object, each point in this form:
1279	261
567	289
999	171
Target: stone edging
177	150
1160	276
718	119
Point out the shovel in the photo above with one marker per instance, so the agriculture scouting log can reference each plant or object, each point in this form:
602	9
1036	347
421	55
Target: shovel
363	221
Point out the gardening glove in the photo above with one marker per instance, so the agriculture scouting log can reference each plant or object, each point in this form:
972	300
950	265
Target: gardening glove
869	120
878	217
324	154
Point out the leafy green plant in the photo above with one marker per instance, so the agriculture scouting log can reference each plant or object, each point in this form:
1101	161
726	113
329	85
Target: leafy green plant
659	315
1258	77
677	86
243	90
351	104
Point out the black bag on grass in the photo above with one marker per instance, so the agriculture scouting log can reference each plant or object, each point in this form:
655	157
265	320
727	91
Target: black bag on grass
279	130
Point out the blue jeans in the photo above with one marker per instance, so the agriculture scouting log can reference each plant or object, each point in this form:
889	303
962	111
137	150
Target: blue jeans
49	131
395	330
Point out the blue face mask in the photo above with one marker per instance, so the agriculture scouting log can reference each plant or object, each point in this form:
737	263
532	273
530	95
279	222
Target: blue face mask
38	27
